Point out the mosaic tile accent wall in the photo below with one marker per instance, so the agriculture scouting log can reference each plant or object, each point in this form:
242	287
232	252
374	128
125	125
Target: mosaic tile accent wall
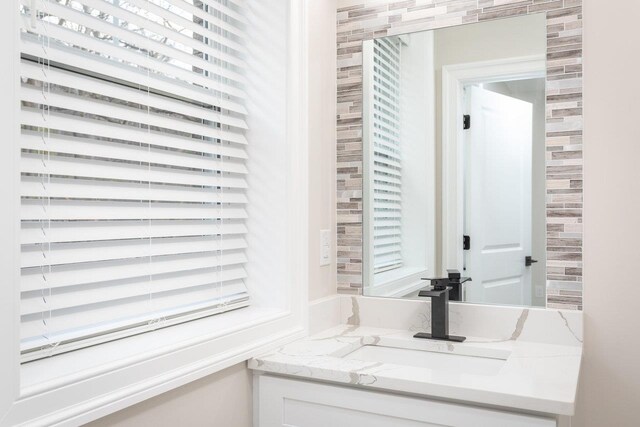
378	18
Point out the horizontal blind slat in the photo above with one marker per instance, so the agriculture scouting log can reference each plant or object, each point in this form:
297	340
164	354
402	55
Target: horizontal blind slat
112	110
193	154
86	231
207	17
167	32
65	275
71	324
226	10
32	210
188	24
32	70
90	168
61	188
71	253
32	301
60	54
141	42
87	46
103	129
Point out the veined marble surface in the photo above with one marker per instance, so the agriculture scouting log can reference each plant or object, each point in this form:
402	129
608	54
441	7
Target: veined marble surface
534	324
535	376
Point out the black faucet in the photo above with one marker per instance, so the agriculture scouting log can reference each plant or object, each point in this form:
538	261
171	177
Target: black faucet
439	294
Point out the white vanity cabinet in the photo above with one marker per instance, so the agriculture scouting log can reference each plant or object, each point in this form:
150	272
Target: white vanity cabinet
295	403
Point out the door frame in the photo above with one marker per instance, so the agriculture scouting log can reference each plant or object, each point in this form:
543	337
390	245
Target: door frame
454	78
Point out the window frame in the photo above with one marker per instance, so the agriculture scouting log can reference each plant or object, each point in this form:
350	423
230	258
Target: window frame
212	344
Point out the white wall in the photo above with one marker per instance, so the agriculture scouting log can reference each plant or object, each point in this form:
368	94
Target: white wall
497	39
221	399
322	142
224	399
610	383
266	104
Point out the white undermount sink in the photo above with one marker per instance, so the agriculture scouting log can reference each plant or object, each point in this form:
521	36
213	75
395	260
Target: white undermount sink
438	361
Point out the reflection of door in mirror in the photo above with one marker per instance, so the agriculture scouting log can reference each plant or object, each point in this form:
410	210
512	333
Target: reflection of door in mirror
498	160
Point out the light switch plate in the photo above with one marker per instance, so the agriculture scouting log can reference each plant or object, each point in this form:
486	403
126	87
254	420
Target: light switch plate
325	247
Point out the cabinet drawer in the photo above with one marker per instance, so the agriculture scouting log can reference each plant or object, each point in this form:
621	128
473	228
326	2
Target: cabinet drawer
295	403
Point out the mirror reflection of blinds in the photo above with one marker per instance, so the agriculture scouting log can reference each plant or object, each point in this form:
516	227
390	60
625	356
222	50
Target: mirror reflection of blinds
132	167
387	166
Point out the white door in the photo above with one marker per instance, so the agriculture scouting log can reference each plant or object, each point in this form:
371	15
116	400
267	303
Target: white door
497	198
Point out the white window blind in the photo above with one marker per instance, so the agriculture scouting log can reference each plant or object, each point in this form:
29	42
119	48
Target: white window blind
387	167
132	167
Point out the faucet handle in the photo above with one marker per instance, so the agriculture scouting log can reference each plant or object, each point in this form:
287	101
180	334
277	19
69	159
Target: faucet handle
435	279
434	293
439	283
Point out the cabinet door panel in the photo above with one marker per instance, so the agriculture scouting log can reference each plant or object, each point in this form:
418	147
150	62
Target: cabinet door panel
294	403
310	414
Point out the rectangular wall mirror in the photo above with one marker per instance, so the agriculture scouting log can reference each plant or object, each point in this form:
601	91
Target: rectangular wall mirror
454	161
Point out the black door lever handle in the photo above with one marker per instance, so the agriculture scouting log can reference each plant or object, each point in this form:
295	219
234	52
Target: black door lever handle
528	261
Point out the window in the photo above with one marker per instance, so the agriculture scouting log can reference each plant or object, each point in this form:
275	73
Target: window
176	124
399	164
387	156
132	167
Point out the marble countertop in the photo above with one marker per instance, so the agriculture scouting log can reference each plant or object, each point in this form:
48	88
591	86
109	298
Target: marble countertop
534	377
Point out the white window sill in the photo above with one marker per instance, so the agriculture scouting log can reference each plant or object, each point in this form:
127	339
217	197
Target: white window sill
64	369
79	386
397	283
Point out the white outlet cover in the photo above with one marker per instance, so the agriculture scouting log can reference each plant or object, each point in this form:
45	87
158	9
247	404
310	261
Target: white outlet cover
325	247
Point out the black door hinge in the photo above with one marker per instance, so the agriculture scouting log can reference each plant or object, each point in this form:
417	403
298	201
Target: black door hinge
466	122
466	243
